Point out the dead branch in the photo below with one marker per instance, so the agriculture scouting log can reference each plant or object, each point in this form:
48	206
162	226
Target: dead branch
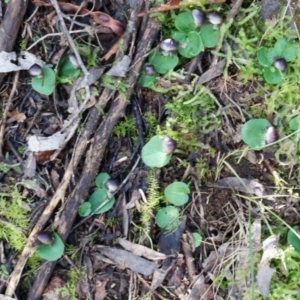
4	117
9	29
93	157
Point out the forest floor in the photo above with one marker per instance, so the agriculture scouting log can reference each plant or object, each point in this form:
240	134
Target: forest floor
149	150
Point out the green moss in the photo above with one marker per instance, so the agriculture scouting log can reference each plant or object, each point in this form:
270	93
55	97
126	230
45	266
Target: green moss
190	116
125	127
151	121
70	288
153	199
15	218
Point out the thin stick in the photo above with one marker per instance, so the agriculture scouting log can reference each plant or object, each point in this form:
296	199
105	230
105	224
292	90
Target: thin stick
53	34
4	117
73	47
68	36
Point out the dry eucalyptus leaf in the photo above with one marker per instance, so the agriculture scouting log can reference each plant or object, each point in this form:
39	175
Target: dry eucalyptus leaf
243	185
213	72
100	289
120	69
141	250
41	143
265	273
200	288
125	259
9	61
160	274
29	165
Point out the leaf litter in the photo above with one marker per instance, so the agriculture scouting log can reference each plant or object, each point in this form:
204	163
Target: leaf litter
213	210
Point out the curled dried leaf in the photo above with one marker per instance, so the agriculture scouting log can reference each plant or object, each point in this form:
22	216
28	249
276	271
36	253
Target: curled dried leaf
105	20
99	17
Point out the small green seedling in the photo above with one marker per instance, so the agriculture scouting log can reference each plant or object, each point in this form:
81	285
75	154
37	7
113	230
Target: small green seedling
85	209
210	36
197	239
257	133
147	80
43	80
168	218
189	38
184	22
52	251
294	123
273	60
148	77
68	69
163	63
294	239
191	41
191	46
158	151
105	188
177	193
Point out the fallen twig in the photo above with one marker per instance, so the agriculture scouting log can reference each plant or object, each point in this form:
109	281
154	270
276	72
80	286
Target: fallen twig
9	29
7	107
95	154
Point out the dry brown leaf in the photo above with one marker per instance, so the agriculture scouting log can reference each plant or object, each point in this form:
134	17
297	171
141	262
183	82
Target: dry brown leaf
120	68
29	165
125	259
216	1
141	250
55	283
43	156
54	178
265	273
201	289
212	72
113	50
244	185
99	17
100	291
172	4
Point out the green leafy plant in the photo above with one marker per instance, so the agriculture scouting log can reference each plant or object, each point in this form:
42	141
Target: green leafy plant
177	193
149	76
257	133
191	45
294	240
192	38
197	239
89	52
158	151
191	41
104	191
147	80
43	80
267	58
163	63
168	217
52	251
294	123
68	69
209	35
